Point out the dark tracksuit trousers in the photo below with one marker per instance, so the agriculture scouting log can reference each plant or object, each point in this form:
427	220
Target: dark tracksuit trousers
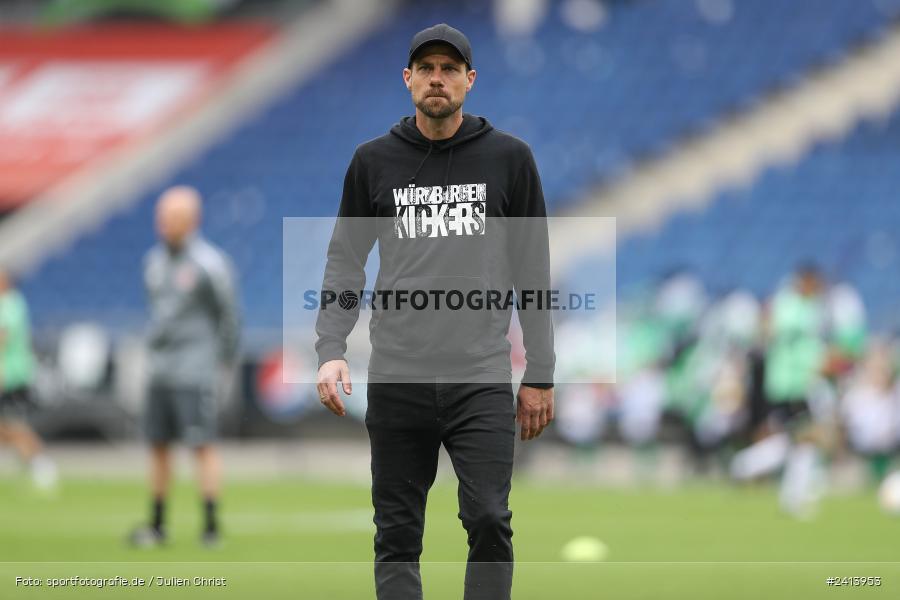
407	423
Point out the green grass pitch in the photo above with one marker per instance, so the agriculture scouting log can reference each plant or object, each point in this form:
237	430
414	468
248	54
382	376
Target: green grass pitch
313	541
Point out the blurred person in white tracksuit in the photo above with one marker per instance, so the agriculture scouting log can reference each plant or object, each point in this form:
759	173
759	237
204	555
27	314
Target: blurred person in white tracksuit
870	410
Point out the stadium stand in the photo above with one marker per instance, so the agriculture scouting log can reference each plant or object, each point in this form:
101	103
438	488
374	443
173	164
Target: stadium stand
604	113
835	207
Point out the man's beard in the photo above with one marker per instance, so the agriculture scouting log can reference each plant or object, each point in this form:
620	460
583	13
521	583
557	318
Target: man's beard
441	111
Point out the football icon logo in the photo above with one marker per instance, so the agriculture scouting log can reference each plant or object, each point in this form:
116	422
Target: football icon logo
348	300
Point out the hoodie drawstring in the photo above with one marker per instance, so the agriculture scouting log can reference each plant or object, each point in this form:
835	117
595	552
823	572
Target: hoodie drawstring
447	173
412	180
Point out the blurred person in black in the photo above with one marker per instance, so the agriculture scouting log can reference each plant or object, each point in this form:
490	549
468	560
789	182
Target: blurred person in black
446	183
193	341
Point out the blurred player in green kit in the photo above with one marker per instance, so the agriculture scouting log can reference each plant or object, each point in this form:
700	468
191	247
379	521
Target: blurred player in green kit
800	422
16	372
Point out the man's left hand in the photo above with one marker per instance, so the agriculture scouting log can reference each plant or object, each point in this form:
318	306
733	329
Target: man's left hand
534	410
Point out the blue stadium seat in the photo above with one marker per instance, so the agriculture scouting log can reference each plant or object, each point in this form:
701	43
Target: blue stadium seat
655	71
836	207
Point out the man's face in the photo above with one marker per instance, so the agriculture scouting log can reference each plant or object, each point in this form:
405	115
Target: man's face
172	228
177	215
809	284
438	81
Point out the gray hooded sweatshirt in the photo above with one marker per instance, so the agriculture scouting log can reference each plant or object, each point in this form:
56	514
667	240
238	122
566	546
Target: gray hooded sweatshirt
193	313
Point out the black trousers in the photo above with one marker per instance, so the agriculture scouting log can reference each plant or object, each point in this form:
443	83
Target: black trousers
407	423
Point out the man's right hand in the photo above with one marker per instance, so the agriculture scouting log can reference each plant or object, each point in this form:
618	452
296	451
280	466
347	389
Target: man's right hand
329	374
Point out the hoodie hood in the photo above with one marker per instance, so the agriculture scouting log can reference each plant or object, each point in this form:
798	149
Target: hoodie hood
471	128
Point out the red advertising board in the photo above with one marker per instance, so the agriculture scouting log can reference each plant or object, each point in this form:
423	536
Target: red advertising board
67	97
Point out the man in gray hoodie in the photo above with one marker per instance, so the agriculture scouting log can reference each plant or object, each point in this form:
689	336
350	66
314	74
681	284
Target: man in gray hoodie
192	341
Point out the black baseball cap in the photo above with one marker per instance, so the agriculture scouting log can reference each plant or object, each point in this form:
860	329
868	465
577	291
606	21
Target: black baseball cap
441	34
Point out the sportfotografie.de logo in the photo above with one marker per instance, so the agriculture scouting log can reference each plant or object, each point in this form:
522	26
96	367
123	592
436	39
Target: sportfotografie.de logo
449	300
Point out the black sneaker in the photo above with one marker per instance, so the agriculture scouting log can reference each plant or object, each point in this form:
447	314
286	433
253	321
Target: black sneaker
211	539
147	537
